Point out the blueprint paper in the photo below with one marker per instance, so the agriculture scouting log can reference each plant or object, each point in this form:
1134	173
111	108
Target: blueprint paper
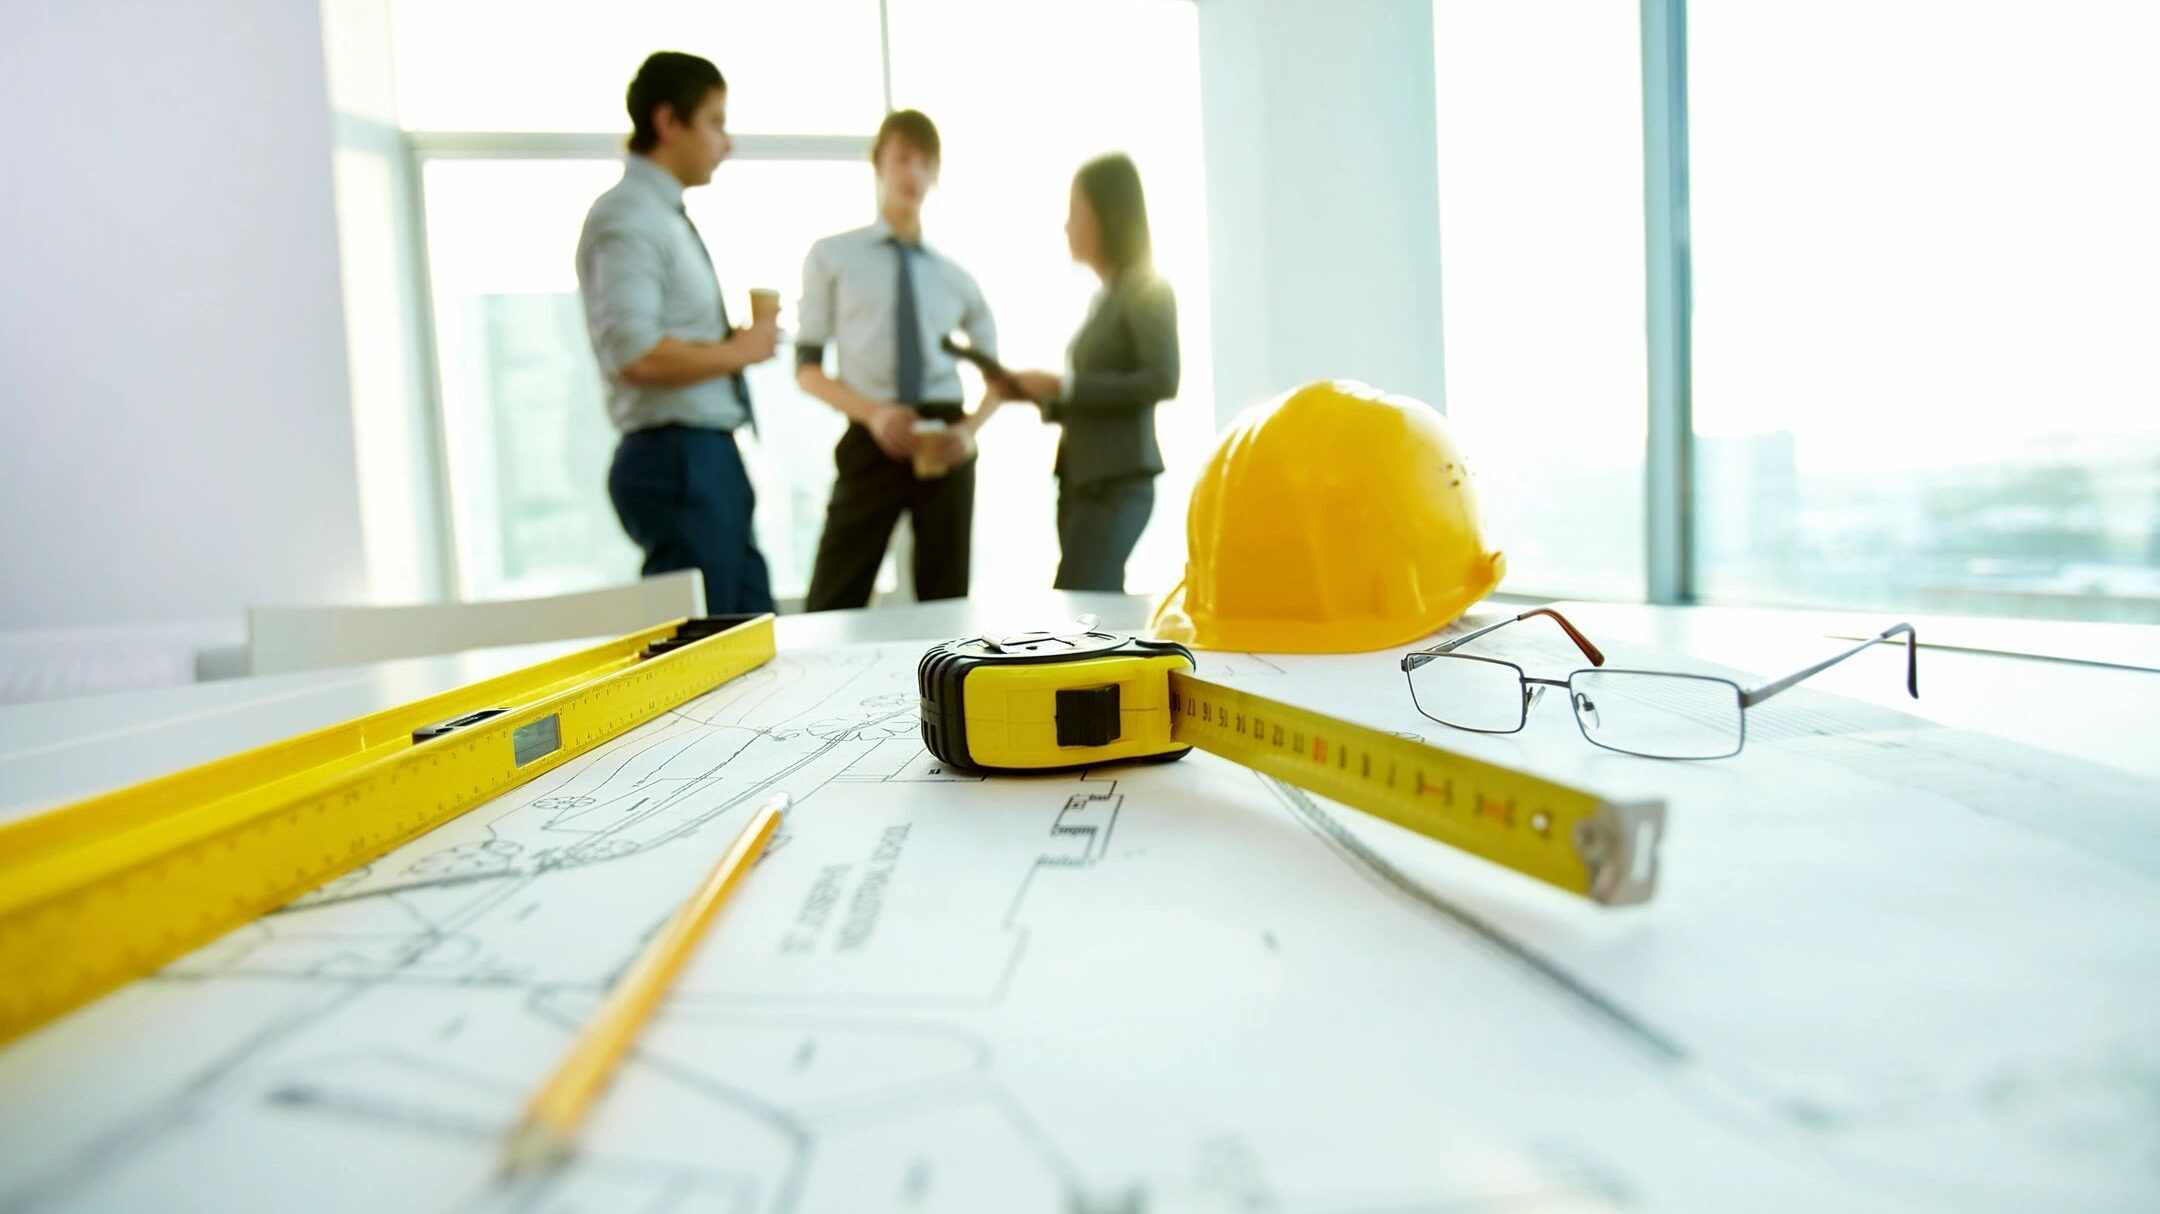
1870	981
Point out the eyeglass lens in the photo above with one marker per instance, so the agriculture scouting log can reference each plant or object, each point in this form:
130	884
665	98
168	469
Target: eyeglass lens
1663	716
1469	693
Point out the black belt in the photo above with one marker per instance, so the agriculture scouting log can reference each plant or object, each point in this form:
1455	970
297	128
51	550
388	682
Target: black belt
943	411
682	428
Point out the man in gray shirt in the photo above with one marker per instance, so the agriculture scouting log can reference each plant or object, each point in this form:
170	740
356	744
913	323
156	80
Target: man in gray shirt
673	364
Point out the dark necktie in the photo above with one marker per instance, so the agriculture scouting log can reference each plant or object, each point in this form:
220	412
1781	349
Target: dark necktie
907	330
742	385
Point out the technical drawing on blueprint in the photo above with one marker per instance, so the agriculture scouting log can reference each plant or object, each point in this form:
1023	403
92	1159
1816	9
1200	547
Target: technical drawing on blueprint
1145	989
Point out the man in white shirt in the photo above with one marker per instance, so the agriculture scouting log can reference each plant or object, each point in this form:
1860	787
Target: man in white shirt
887	300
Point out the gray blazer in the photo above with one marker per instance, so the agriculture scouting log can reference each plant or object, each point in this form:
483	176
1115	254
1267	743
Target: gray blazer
1124	363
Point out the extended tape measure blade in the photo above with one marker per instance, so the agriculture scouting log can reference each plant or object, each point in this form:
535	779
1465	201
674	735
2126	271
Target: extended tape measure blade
1603	849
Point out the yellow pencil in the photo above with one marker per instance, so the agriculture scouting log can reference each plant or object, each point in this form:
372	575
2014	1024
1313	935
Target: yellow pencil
549	1127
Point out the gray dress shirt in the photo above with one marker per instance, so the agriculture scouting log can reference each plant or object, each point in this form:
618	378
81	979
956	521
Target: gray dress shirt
850	299
644	274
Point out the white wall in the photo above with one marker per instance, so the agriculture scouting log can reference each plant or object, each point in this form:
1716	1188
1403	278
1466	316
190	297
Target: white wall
175	439
1323	195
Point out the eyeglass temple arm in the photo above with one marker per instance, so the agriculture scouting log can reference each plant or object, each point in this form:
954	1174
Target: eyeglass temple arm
1749	699
1581	642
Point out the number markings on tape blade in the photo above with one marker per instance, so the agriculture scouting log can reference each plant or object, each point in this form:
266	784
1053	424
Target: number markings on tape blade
1603	849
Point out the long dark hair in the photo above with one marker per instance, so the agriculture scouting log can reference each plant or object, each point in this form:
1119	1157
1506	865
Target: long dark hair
1111	185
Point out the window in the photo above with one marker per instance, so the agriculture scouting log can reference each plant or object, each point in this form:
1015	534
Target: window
1924	258
800	68
525	431
1541	255
760	218
1000	210
529	439
525	439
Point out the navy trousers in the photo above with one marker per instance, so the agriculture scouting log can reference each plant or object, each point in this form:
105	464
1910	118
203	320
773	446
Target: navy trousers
684	498
1099	524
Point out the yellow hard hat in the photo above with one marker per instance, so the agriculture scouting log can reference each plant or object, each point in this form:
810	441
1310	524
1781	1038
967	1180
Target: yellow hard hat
1334	519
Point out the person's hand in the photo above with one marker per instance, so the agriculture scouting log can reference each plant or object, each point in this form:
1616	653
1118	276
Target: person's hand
999	390
956	445
893	426
758	342
1038	386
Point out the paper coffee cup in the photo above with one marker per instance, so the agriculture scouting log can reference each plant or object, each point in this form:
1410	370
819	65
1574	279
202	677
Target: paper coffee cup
928	465
764	304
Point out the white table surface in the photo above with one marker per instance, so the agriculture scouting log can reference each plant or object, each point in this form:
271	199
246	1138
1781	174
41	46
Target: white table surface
56	751
66	749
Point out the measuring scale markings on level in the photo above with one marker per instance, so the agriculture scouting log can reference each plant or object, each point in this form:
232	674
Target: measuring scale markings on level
108	889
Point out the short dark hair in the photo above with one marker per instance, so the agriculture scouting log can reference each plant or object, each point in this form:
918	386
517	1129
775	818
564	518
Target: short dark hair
671	78
912	127
1111	185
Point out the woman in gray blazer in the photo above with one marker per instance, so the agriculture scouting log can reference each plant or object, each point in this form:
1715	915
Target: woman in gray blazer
1123	362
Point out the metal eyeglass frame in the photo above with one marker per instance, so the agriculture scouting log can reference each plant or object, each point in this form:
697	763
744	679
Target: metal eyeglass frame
1745	697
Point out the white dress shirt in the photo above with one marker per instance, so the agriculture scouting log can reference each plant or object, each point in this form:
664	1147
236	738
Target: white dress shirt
850	299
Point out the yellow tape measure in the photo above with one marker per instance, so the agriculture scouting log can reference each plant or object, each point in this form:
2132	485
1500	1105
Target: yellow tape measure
106	890
1042	700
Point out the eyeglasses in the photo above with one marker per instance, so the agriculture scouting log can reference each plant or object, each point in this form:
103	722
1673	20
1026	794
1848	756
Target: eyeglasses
1650	713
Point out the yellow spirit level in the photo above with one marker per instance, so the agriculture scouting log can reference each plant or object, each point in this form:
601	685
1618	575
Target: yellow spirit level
1042	701
105	890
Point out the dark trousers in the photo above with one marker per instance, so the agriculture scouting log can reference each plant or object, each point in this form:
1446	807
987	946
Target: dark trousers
683	496
1098	525
869	493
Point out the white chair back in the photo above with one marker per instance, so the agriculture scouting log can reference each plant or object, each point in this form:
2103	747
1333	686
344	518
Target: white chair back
310	638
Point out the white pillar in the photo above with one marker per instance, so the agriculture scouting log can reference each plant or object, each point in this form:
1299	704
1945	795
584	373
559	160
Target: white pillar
1323	195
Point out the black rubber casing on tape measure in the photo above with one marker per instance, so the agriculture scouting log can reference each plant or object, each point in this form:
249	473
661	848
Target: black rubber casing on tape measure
941	676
